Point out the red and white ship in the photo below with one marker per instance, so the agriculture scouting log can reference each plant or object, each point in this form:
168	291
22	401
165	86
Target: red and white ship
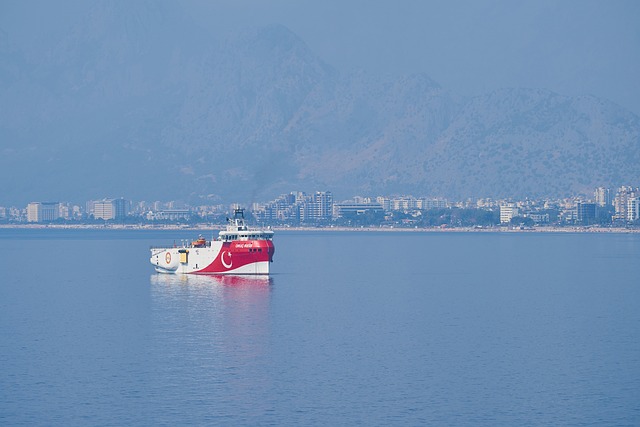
237	250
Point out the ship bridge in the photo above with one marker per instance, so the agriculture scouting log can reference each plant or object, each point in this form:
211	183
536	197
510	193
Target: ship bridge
237	230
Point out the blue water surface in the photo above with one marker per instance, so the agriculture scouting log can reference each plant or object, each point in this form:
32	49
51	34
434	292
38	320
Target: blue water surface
352	328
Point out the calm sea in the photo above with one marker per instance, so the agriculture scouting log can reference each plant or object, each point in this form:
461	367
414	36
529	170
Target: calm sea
351	329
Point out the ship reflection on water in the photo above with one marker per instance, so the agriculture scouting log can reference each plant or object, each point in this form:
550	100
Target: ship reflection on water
197	280
212	320
212	295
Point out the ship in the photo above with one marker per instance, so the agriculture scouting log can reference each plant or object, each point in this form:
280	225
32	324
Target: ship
238	250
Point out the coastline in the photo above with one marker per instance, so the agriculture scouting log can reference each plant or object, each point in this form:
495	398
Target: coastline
200	227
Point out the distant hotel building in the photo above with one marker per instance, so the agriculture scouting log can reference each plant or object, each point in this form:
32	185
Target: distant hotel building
507	212
33	212
621	202
633	209
432	204
406	203
103	210
350	209
585	213
319	208
384	202
107	209
43	211
169	215
603	197
539	218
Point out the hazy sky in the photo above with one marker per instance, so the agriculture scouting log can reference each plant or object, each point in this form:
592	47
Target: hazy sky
571	47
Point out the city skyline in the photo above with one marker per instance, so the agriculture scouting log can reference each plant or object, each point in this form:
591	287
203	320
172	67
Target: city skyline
605	206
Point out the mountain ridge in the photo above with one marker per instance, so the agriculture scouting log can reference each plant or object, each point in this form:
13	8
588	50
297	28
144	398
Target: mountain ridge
247	117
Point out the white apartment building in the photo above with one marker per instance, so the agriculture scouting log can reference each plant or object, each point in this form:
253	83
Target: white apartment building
633	209
104	209
109	208
603	196
621	201
43	211
33	212
507	212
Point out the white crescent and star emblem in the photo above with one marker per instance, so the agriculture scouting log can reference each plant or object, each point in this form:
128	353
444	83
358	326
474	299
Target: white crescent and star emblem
230	260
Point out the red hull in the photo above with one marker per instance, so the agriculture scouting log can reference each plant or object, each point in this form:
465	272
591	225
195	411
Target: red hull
237	254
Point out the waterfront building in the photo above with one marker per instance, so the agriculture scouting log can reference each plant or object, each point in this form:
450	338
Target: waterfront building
539	218
299	197
620	202
426	204
65	211
33	212
354	208
603	197
120	207
169	215
585	212
88	207
287	207
507	212
568	216
16	213
108	209
400	204
43	211
319	208
385	202
633	209
104	209
404	203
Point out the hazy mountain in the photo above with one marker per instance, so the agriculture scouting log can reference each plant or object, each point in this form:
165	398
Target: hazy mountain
118	105
368	134
518	142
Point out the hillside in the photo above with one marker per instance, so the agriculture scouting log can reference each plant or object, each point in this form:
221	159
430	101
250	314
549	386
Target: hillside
120	106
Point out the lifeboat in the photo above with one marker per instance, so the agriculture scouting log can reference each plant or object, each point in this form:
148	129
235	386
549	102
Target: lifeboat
200	243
